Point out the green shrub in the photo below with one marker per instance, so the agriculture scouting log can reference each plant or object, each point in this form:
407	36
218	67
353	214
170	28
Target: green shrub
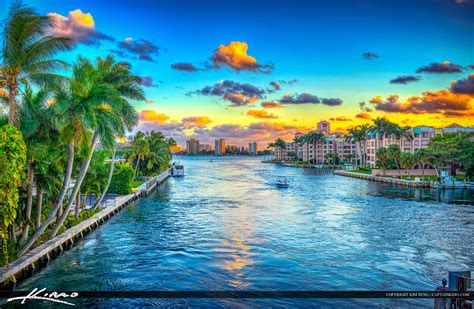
122	179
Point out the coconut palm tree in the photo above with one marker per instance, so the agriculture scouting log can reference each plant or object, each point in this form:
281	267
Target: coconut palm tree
383	158
394	155
27	52
140	148
38	129
313	137
379	128
405	133
422	157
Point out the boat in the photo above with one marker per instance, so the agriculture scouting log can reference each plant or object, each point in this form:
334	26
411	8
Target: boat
177	170
282	182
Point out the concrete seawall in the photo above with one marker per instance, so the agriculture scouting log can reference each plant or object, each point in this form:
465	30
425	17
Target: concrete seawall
40	256
401	182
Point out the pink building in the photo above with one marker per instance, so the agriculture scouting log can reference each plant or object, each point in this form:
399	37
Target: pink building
324	126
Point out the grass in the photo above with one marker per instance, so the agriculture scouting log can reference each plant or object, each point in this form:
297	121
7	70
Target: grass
362	171
136	184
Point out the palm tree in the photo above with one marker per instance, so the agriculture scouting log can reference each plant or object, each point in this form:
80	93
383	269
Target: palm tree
359	135
379	128
140	148
382	158
405	132
114	83
38	129
394	155
313	137
298	141
422	157
26	52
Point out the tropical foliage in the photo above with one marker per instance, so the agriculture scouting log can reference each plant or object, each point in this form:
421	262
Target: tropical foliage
60	113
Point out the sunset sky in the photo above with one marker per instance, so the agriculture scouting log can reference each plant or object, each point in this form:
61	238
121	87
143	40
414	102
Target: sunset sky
257	70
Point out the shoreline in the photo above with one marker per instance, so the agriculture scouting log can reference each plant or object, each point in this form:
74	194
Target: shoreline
39	257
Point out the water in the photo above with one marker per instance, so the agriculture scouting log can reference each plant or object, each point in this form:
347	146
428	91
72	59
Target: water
225	226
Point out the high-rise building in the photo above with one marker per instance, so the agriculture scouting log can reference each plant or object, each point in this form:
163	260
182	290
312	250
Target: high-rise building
253	148
219	147
192	146
324	126
205	147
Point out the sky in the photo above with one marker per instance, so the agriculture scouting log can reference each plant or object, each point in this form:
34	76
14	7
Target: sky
257	70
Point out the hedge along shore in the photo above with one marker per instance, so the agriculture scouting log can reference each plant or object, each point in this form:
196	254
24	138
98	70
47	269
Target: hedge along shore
402	182
40	256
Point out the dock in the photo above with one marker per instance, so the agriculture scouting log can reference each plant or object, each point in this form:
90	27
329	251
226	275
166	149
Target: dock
40	256
394	181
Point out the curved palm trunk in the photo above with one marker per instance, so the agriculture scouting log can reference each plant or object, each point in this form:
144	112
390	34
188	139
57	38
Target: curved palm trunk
78	203
39	206
138	164
11	105
67	178
80	178
29	202
109	180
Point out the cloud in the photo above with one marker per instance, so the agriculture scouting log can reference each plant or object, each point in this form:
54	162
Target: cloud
341	118
275	85
370	55
470	66
441	68
331	101
144	49
238	94
363	116
153	116
184	66
147	81
195	121
234	55
363	107
259	130
149	101
431	102
405	79
261	114
307	98
271	104
464	85
238	99
303	98
79	27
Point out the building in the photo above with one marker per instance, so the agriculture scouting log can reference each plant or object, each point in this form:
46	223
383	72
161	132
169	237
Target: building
253	148
219	147
192	146
324	126
205	148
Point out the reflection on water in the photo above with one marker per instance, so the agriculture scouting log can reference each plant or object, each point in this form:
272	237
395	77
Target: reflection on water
225	226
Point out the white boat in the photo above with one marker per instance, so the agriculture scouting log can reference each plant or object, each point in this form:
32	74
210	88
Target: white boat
282	182
177	170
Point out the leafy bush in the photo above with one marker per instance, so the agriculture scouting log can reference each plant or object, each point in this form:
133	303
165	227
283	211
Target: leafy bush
122	179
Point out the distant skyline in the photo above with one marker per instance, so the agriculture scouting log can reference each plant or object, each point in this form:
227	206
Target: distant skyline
255	70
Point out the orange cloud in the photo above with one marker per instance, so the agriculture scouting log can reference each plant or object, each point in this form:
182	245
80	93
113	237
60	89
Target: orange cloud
341	118
234	55
432	102
261	114
152	115
239	99
196	121
363	116
77	26
271	104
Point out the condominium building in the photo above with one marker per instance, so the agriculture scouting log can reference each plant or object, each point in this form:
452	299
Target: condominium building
348	150
219	147
205	147
192	146
253	148
324	126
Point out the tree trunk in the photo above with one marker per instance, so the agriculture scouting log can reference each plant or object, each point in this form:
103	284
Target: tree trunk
39	205
78	203
80	178
423	171
59	202
109	180
29	202
138	164
12	105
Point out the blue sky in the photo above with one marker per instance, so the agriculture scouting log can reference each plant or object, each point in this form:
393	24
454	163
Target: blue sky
318	43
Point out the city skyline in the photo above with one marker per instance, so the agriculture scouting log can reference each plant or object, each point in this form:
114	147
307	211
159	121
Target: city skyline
206	78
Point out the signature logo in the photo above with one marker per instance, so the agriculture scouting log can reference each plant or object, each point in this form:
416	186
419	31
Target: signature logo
53	297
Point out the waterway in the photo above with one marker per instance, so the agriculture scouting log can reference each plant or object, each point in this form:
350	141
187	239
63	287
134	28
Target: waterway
225	226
